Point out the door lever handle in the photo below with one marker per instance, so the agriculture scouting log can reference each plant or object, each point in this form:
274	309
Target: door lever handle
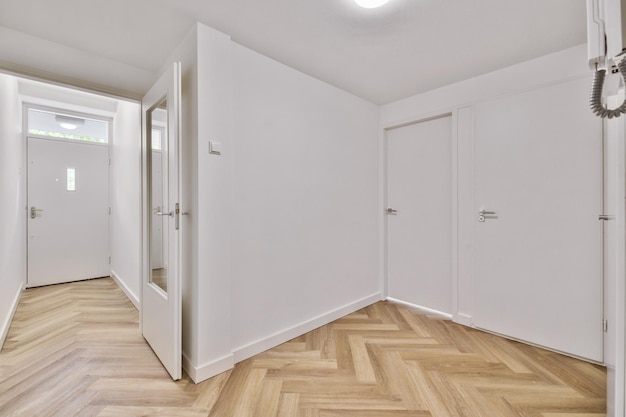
606	217
159	213
392	211
33	212
482	213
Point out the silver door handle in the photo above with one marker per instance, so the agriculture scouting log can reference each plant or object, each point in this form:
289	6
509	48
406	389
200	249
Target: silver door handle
392	211
159	213
606	217
33	212
482	214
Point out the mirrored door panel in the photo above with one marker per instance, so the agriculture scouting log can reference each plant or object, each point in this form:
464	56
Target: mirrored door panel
160	213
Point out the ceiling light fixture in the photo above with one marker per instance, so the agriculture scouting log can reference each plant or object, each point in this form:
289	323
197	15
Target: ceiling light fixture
371	4
69	123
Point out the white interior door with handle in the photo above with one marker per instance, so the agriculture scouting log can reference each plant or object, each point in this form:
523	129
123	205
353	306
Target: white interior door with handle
538	240
419	216
161	290
68	211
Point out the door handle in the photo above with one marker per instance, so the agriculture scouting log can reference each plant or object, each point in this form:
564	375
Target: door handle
175	214
392	211
606	217
484	214
33	212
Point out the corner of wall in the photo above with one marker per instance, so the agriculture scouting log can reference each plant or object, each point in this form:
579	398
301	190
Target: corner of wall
6	323
212	199
208	370
245	352
126	290
13	196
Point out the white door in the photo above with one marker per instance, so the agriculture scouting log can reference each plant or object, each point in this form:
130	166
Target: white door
161	292
538	257
68	211
419	214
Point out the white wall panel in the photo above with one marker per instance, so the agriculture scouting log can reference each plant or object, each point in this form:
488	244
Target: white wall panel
305	199
126	199
12	196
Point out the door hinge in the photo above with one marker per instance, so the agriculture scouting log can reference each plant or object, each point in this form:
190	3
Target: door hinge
109	260
605	326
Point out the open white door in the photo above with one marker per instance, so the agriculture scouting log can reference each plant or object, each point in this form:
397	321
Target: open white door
161	293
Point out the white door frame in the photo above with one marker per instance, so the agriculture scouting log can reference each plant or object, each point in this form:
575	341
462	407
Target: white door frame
384	285
617	304
59	108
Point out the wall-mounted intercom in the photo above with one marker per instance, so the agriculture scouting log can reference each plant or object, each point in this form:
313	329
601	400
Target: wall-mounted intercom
606	43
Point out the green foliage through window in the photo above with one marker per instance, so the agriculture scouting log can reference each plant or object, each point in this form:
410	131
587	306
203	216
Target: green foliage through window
66	136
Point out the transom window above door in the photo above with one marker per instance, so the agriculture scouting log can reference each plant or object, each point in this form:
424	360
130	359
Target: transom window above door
58	125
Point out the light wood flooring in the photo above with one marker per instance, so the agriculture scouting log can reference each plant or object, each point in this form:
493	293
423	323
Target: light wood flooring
75	350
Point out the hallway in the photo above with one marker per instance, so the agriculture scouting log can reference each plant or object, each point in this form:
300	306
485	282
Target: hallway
75	350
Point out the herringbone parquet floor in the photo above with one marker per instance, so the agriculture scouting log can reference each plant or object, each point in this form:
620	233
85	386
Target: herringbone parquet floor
75	350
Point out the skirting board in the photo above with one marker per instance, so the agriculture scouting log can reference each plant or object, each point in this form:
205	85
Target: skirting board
428	310
208	370
129	294
262	345
4	330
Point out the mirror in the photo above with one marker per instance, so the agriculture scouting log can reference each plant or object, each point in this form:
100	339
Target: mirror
158	194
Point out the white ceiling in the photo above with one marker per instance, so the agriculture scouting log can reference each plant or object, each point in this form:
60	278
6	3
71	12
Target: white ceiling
401	49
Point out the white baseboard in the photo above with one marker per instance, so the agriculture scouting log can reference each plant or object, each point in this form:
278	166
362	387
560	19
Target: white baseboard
4	329
426	309
208	370
245	352
129	294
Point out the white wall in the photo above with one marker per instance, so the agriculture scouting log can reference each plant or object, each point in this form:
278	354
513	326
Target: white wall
12	196
214	200
458	99
282	235
305	203
205	250
548	69
45	59
126	199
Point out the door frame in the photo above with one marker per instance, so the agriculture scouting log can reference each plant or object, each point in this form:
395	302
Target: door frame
384	229
69	110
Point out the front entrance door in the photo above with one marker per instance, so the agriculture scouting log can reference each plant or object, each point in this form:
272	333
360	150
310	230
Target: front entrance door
538	240
161	292
68	211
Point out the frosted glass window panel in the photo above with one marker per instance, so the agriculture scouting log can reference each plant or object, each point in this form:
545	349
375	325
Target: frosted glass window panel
65	126
157	139
71	179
